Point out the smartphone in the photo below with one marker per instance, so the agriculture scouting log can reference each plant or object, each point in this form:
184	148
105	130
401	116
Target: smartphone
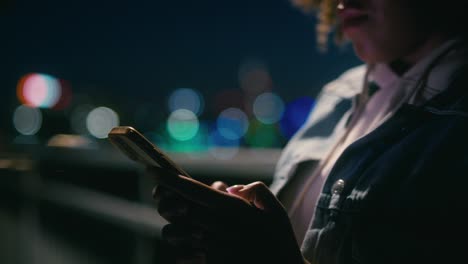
140	149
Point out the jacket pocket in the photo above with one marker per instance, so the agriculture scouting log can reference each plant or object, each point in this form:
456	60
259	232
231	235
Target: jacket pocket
330	239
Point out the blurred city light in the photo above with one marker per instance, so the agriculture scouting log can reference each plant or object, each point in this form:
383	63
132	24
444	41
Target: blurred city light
232	123
221	147
186	98
198	143
295	115
69	141
268	108
66	95
182	124
39	90
254	77
101	120
262	135
27	120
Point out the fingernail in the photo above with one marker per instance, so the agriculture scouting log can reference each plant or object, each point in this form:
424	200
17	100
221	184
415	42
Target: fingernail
234	188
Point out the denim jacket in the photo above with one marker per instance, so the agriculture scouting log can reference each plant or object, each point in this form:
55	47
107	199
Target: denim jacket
397	195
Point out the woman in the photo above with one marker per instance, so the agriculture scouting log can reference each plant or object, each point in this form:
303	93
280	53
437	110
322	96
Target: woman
382	182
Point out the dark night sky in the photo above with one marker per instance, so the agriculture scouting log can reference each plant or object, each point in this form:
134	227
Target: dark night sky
140	50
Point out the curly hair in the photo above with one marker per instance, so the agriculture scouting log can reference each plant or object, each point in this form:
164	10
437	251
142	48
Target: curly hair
447	17
326	16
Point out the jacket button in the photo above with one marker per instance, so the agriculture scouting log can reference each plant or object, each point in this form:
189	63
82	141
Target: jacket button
338	186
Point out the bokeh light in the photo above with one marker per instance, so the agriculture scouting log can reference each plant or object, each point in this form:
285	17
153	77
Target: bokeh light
66	96
69	141
182	124
268	108
254	76
262	135
295	115
221	147
101	120
198	143
232	123
27	120
39	90
186	98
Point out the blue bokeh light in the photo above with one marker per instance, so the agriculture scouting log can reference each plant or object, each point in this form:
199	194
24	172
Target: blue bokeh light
216	139
268	108
232	123
295	115
186	98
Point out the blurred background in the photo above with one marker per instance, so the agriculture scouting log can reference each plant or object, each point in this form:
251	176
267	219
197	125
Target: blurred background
220	86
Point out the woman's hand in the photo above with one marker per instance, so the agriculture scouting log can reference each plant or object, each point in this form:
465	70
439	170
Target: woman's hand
246	224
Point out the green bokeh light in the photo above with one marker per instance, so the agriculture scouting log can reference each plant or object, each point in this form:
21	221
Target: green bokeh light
182	125
262	135
198	143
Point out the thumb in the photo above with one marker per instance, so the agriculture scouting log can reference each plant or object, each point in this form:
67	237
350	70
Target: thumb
258	194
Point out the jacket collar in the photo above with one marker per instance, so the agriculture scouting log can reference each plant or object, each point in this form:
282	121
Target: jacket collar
454	99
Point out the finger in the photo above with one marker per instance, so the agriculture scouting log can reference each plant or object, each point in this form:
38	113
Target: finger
202	193
215	220
177	209
173	208
261	196
160	192
235	189
219	185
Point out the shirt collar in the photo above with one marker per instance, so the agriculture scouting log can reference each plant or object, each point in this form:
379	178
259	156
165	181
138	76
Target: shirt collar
438	80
